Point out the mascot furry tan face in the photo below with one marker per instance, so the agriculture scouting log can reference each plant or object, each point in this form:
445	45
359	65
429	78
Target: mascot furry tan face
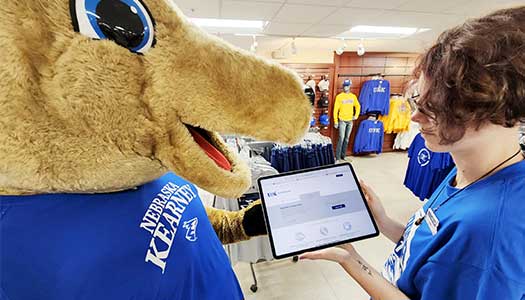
101	96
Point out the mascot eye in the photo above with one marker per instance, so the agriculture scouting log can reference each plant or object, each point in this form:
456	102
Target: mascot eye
127	22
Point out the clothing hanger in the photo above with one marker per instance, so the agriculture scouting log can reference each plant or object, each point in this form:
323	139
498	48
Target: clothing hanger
377	76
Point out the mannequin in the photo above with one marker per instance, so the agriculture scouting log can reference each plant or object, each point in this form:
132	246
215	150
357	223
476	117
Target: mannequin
346	110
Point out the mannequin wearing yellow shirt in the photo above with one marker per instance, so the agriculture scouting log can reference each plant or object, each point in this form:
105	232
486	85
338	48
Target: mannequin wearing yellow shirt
346	110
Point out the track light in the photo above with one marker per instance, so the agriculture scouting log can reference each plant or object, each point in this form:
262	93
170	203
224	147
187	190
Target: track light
254	46
341	49
361	49
294	47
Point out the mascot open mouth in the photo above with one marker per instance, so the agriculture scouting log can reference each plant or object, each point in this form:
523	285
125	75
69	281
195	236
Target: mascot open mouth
204	139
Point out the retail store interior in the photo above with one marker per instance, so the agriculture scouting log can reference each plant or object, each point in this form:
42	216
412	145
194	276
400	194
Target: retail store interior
262	149
327	43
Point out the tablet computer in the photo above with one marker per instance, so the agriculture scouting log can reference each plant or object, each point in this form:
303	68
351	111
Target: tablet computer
313	209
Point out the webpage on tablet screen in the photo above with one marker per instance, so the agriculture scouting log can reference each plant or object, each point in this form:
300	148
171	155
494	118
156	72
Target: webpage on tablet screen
316	208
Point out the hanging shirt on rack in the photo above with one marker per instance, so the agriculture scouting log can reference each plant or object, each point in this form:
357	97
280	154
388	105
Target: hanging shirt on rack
426	169
323	85
375	96
346	107
298	157
398	118
405	139
311	83
257	248
370	137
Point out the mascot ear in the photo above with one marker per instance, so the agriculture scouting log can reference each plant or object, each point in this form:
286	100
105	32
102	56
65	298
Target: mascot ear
127	22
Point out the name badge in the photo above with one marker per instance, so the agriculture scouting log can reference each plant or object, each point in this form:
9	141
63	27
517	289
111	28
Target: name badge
432	221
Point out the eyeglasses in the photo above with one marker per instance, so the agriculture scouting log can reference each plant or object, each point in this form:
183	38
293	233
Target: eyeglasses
413	103
416	107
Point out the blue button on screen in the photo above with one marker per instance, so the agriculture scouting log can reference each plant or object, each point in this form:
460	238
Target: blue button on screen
339	206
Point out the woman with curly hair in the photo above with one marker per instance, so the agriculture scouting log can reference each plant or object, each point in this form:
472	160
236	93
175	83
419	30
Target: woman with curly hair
468	241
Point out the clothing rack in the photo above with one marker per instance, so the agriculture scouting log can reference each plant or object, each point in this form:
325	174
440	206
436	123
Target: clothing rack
252	152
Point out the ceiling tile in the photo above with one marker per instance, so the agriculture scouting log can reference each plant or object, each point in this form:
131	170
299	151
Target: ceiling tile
429	36
286	29
478	8
381	4
325	30
317	2
240	41
291	13
276	1
351	16
416	19
199	9
246	42
430	6
249	10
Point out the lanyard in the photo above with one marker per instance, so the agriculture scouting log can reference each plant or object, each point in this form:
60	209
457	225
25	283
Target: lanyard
418	221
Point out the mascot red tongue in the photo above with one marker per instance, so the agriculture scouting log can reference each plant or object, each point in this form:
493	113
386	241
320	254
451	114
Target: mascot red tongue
97	99
212	152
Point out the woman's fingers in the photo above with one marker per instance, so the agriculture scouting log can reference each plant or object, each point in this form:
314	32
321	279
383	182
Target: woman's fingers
327	254
335	254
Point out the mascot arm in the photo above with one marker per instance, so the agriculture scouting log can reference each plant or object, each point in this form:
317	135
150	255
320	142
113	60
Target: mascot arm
235	226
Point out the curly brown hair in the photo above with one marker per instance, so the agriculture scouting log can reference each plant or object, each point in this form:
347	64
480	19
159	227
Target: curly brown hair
476	73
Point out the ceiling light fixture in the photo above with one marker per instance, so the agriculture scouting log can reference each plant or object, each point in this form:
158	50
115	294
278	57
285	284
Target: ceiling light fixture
384	29
227	23
249	34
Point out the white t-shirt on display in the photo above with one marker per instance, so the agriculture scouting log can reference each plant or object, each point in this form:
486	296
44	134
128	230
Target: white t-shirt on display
324	85
311	83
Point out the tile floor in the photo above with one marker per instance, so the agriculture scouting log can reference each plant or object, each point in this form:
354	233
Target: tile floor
316	280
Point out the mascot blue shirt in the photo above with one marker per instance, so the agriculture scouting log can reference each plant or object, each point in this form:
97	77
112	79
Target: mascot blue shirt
153	242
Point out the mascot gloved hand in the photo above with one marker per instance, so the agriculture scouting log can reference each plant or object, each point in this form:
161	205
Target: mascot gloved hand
240	225
110	112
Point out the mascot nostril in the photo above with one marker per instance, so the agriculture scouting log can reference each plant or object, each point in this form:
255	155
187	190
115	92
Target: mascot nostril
99	148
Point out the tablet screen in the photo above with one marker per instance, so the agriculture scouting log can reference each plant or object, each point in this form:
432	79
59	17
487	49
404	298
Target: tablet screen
314	209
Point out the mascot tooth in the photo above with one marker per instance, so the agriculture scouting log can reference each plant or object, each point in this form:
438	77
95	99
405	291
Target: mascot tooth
110	112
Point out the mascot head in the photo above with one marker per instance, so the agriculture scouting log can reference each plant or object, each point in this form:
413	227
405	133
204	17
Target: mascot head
105	95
